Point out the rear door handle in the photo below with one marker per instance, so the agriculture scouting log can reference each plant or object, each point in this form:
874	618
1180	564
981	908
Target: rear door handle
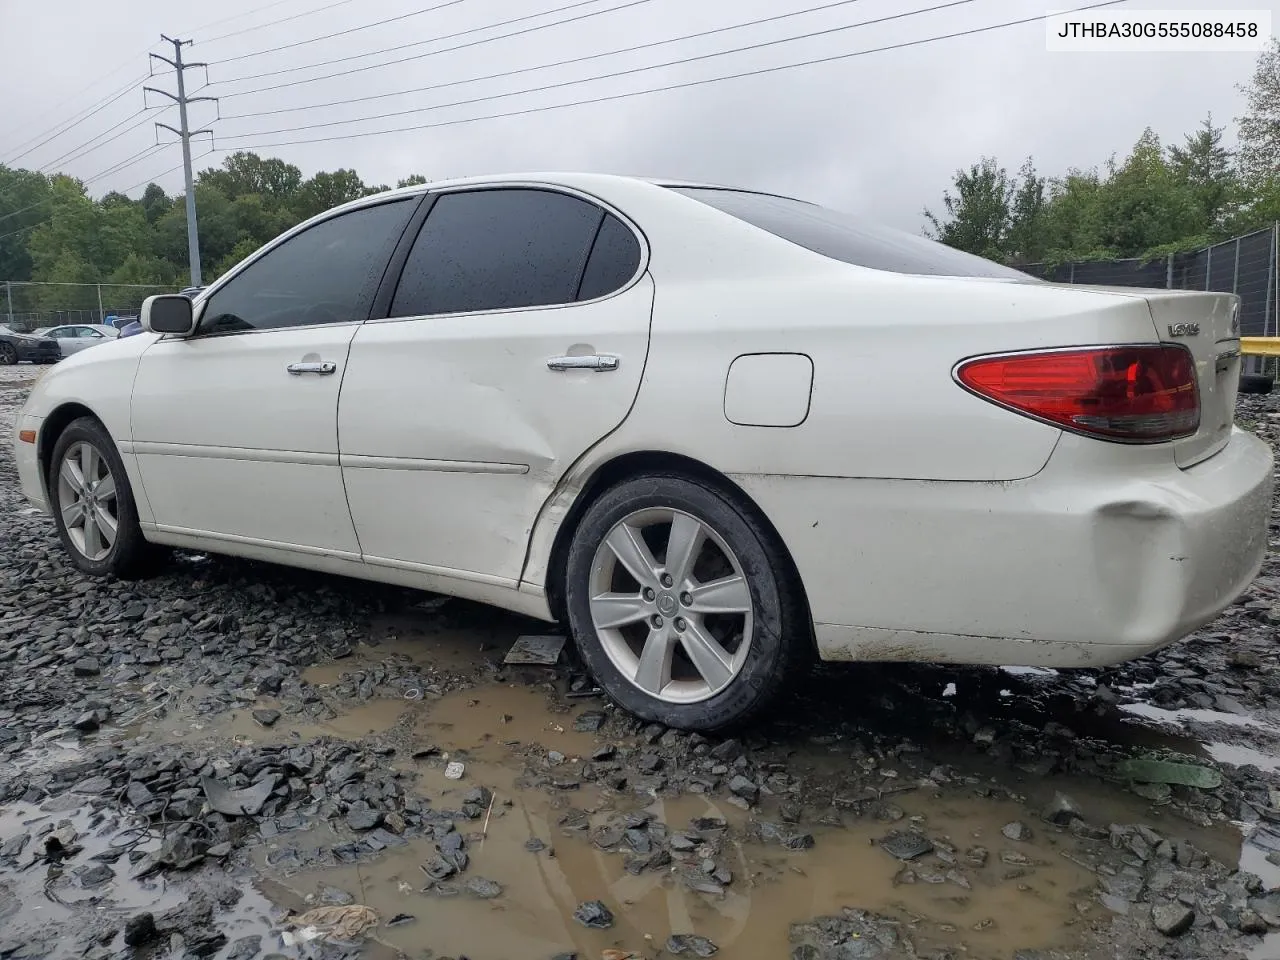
598	363
321	367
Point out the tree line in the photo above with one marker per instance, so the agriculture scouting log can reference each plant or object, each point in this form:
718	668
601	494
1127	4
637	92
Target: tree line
52	230
1159	200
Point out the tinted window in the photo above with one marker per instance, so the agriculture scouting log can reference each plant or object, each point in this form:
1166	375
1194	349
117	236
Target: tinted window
497	250
614	259
326	274
842	236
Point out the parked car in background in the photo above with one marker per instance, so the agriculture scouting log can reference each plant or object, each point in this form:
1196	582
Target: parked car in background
75	337
16	347
713	432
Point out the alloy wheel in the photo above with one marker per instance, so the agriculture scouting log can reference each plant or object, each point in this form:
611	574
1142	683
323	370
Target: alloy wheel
88	501
8	354
671	605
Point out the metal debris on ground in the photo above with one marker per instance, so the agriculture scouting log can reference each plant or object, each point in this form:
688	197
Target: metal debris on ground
1147	770
541	651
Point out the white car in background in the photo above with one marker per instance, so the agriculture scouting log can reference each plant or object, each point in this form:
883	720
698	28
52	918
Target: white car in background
74	337
713	432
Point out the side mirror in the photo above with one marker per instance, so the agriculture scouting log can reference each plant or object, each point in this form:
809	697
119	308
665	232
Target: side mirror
169	313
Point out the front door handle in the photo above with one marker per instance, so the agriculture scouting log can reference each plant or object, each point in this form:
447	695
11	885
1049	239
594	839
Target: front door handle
321	367
600	364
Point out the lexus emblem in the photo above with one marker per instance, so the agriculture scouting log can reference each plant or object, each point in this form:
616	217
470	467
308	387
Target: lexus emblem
1184	329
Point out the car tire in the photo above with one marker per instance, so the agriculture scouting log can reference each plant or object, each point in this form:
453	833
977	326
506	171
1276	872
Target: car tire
8	354
83	513
1256	383
735	591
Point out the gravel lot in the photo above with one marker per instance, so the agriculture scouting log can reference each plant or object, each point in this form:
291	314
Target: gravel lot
235	760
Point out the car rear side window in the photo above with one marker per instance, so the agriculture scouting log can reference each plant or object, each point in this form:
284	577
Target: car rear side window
498	249
329	273
614	259
842	236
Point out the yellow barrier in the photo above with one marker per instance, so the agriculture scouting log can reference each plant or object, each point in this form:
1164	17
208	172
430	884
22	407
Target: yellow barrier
1260	346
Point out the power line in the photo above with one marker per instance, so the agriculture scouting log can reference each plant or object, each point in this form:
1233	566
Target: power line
343	33
419	43
75	121
136	158
80	152
763	44
673	86
432	53
239	16
76	153
273	23
597	56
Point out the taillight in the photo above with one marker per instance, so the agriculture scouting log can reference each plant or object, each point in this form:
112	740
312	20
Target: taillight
1139	394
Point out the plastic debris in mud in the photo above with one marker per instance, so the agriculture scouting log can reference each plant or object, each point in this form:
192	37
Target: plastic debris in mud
341	923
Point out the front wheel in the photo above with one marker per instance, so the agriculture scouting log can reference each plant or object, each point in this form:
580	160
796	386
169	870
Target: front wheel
93	504
8	354
680	605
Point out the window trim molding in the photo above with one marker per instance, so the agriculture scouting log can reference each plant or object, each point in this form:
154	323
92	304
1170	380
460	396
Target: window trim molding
608	208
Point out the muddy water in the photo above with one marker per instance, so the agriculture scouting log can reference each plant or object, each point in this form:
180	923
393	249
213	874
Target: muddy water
1026	896
52	895
1028	904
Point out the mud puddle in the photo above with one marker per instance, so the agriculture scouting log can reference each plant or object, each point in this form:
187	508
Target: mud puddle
65	867
547	843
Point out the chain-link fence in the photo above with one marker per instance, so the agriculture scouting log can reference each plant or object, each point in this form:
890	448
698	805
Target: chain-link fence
1248	266
29	305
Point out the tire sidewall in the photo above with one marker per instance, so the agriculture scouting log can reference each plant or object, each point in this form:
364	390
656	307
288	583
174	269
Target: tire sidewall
759	674
8	355
90	431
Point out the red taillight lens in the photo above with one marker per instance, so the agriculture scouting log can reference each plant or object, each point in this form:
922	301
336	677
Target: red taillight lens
1140	394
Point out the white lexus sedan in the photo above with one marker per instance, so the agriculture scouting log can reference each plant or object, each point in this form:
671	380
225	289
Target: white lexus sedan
714	432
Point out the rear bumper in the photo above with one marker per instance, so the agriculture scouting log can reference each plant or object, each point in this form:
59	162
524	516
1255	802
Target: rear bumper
1072	567
38	351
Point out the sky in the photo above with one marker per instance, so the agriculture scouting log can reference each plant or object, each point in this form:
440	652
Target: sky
879	134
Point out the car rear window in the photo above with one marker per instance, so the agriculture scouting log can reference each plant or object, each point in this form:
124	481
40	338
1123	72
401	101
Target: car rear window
851	239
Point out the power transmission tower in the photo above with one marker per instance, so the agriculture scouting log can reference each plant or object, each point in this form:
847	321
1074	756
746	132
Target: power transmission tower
185	133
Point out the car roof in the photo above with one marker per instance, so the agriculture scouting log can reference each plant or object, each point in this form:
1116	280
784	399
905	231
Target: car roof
579	180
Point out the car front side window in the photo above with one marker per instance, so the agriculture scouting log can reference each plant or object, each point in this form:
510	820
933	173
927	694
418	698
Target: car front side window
329	273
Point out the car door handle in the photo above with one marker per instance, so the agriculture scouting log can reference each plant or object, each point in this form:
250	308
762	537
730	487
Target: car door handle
600	364
321	367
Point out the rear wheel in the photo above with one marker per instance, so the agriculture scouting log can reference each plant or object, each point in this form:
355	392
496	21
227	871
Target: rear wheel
680	606
93	504
8	354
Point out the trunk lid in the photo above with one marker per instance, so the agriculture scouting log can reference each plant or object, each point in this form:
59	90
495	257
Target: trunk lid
1207	324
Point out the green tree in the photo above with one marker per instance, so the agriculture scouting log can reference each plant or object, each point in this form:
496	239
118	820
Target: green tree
1027	239
325	191
156	203
237	253
977	216
1260	125
1145	205
24	203
413	180
244	173
1207	167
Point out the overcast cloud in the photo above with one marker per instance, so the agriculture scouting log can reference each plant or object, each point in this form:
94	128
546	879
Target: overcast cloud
879	134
